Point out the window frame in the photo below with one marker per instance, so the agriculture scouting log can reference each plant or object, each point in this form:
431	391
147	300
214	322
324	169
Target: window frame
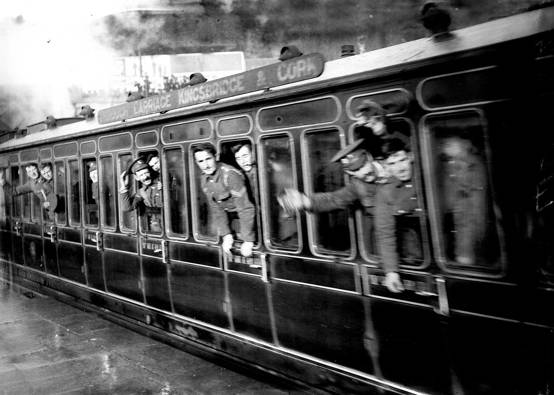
432	197
264	187
240	138
102	208
315	248
166	192
121	223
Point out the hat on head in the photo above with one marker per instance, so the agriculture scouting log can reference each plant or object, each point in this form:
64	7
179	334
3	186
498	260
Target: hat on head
356	163
139	165
369	108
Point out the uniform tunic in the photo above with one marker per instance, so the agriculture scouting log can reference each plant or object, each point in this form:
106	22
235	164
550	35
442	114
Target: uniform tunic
226	193
392	200
148	201
41	188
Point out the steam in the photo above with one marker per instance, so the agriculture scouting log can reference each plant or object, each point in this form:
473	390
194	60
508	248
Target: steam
52	51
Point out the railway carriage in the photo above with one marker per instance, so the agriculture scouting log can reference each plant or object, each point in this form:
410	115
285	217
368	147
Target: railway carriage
310	305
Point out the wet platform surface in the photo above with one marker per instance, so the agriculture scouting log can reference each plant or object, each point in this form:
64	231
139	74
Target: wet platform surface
48	347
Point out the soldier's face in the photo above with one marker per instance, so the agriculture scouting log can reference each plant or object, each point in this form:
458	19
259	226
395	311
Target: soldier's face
154	163
206	162
32	172
244	158
93	175
399	165
46	172
375	122
143	176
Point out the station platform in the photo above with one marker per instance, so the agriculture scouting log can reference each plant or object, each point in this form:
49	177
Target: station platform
49	347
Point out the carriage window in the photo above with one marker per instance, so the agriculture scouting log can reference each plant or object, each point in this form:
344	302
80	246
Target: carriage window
17	209
241	155
278	174
297	114
331	230
91	192
545	209
74	193
5	197
127	219
466	214
59	169
150	210
204	227
107	192
176	178
47	174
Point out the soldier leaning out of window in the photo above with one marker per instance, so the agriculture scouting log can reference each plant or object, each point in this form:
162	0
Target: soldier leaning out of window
148	199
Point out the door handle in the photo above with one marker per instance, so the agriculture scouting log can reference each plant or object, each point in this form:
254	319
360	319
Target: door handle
98	236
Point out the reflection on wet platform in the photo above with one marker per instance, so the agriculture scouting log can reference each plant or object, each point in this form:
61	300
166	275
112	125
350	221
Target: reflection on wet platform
47	347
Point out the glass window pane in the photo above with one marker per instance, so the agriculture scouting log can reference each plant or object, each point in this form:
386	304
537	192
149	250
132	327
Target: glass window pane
15	180
74	193
91	192
107	192
5	197
127	219
176	188
331	230
278	174
467	222
60	191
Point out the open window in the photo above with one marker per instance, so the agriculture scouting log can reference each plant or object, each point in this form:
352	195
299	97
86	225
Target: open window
331	232
91	192
204	226
241	154
151	207
277	171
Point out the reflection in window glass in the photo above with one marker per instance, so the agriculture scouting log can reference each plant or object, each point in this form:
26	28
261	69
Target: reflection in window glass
49	184
545	209
74	193
176	189
278	174
5	197
128	219
60	191
91	192
16	200
331	229
107	192
467	224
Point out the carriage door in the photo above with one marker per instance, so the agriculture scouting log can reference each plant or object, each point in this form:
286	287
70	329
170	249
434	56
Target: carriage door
31	225
121	261
70	250
17	226
49	227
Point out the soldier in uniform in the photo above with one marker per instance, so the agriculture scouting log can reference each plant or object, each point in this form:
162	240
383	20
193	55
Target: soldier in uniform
374	127
361	189
43	190
148	199
245	160
396	200
226	193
